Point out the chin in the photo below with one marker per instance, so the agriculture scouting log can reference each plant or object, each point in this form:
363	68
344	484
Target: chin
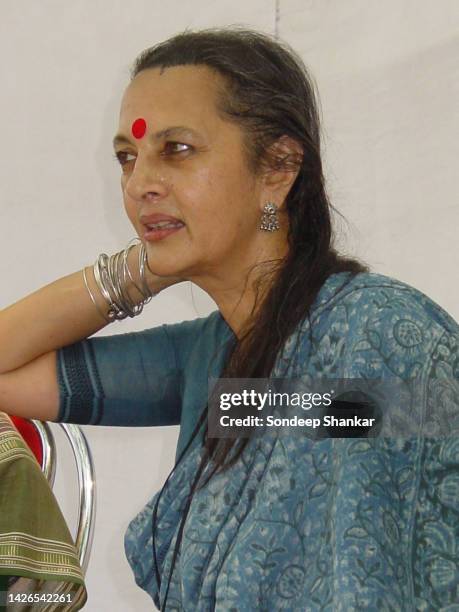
160	267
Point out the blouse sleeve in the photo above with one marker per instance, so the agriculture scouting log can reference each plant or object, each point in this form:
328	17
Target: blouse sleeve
129	379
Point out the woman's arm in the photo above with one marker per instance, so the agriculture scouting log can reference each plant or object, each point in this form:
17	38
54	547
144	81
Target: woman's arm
59	314
31	391
33	330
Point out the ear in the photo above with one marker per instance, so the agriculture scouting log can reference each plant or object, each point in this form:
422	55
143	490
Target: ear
284	162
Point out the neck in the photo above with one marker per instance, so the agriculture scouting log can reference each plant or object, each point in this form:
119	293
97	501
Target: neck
234	287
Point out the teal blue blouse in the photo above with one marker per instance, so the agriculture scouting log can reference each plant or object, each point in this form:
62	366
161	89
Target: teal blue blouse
335	524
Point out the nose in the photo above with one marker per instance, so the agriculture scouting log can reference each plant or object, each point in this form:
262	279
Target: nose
145	182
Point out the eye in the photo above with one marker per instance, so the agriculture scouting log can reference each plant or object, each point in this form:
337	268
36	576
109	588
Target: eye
171	147
123	157
177	144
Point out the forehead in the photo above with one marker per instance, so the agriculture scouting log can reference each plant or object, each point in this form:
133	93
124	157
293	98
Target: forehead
181	94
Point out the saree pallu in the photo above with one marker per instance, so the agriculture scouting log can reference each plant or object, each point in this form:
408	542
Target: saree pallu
39	566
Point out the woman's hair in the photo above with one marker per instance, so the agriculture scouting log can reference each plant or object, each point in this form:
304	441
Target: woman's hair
267	91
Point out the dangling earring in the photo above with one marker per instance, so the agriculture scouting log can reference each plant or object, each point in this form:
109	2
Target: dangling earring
269	220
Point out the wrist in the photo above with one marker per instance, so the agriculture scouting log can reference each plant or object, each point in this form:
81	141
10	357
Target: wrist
122	283
155	283
136	285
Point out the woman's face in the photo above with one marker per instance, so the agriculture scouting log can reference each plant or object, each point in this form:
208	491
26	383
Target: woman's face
199	176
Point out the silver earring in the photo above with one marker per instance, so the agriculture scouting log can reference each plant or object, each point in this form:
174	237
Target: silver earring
269	220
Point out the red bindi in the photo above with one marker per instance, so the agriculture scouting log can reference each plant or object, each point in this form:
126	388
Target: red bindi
139	127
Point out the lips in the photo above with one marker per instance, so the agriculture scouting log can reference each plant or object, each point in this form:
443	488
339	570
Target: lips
148	220
159	231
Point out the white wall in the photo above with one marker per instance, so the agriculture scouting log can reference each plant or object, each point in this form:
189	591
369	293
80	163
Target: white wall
388	79
388	75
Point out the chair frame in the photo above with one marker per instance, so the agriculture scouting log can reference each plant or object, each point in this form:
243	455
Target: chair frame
86	481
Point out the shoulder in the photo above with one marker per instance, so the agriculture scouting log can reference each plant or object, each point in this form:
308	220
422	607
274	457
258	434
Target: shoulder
377	293
371	324
382	299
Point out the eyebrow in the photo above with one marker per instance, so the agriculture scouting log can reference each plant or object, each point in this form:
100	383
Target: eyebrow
170	131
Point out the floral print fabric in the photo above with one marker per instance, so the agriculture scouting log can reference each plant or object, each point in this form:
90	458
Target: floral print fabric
334	524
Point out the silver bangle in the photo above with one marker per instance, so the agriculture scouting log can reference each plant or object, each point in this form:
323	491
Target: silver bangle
93	298
126	266
111	275
104	283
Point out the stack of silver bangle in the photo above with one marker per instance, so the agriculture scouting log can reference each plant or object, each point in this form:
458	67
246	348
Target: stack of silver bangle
111	275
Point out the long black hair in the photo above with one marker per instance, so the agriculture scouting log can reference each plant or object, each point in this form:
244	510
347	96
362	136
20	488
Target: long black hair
268	92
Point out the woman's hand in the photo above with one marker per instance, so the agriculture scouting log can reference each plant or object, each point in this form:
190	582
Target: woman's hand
155	282
158	283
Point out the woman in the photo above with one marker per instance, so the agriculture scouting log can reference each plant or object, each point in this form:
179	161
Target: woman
219	143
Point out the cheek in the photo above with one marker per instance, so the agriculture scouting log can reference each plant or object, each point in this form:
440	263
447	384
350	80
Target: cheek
222	231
